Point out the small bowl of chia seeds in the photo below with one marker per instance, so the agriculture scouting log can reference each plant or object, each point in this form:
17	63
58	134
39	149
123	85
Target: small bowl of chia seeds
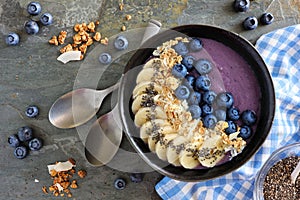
274	181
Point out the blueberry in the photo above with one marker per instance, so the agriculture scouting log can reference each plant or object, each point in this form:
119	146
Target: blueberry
13	140
119	183
179	71
35	144
209	96
248	117
203	66
194	98
207	109
121	42
181	48
20	152
245	132
188	62
225	100
250	23
105	58
220	114
232	127
12	39
189	81
136	177
34	8
46	19
195	44
32	111
202	83
233	113
31	27
25	134
266	18
182	92
209	121
195	111
241	5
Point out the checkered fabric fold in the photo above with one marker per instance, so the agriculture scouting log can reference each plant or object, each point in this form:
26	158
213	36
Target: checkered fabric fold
281	52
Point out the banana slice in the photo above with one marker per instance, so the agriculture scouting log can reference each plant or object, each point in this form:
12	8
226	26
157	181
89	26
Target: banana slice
147	74
144	86
148	127
174	149
161	145
187	157
211	151
153	63
137	102
149	113
158	134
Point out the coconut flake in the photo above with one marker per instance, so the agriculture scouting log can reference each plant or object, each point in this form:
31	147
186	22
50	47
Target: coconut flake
61	166
295	173
69	56
59	187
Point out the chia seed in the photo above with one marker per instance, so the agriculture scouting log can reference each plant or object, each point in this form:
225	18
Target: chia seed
277	184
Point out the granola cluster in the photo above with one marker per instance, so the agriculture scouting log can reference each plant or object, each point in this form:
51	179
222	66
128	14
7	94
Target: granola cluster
63	180
85	35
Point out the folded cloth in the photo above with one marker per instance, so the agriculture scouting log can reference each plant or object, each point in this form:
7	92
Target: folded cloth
281	52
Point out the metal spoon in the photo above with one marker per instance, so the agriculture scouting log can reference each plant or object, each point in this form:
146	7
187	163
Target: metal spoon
105	135
79	106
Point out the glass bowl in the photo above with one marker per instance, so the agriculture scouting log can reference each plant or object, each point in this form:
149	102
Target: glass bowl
276	156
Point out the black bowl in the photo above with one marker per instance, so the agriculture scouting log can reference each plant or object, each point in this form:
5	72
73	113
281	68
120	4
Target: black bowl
236	43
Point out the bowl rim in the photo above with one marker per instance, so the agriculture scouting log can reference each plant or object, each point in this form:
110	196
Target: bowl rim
271	104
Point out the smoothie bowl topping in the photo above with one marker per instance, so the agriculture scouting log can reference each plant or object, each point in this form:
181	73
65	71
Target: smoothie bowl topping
185	111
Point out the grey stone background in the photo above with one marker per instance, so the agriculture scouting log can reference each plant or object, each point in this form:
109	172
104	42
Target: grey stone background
30	74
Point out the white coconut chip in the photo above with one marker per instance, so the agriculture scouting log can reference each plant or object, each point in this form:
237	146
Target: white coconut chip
69	56
61	166
59	187
295	173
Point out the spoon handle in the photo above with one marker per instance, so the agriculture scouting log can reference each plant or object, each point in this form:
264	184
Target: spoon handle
151	30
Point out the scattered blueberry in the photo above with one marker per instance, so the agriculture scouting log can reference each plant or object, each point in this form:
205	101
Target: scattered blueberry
179	71
209	121
181	48
136	177
207	109
195	111
35	144
241	5
202	83
195	44
233	113
189	81
245	132
250	23
31	27
220	114
267	18
46	19
13	140
119	183
203	66
188	62
25	134
105	58
34	8
232	127
20	152
121	42
194	98
182	92
12	39
209	96
225	100
32	111
248	117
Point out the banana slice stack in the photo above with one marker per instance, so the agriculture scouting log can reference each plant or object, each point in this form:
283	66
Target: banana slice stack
166	126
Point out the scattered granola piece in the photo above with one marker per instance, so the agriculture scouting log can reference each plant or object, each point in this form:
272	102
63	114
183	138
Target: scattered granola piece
104	41
123	28
53	40
74	184
121	6
128	17
97	36
91	27
62	36
66	48
81	173
69	194
44	189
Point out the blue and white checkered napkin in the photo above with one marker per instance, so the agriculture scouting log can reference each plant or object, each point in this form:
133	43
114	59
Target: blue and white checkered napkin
281	52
